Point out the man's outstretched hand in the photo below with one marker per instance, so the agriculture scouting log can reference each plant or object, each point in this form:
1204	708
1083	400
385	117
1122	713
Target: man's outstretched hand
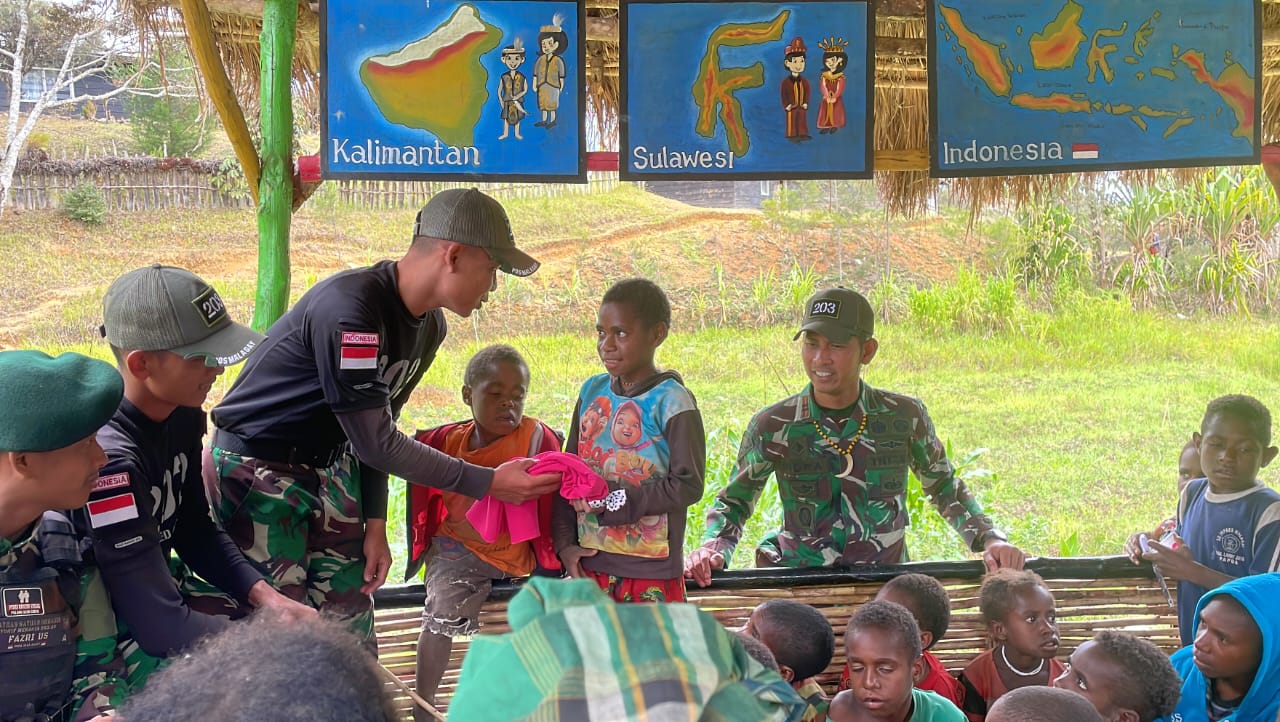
513	483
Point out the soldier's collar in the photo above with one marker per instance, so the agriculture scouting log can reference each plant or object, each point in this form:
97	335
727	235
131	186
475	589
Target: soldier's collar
868	399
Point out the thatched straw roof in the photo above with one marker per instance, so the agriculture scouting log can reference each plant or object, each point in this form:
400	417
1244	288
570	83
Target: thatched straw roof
901	103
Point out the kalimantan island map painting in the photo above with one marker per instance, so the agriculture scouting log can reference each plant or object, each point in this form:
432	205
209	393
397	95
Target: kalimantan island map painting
1037	86
462	90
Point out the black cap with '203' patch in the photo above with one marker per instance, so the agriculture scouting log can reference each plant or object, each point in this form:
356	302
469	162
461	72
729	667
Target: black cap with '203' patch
839	314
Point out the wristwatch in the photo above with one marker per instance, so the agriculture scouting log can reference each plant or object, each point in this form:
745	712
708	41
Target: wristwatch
981	542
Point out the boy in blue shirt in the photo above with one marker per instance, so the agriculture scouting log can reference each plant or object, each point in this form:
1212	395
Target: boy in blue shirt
1228	523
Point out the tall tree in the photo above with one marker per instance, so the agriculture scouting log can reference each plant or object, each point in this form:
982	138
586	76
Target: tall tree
74	41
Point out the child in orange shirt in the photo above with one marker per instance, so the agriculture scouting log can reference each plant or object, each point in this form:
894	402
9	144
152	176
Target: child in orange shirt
460	564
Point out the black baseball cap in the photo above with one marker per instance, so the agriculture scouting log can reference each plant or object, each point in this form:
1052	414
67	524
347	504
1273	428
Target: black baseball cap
465	215
838	313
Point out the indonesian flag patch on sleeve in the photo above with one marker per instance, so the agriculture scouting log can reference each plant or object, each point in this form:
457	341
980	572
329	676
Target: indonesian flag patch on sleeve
112	509
359	351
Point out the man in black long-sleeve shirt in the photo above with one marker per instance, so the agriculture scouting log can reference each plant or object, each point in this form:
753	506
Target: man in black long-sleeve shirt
307	436
172	337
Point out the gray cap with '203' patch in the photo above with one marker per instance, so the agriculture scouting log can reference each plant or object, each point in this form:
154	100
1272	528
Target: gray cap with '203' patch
163	308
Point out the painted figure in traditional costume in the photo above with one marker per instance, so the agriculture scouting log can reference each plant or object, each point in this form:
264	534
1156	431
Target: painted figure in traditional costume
512	87
795	93
831	115
549	70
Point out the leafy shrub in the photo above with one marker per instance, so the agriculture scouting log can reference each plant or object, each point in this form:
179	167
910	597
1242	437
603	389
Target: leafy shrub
85	203
229	179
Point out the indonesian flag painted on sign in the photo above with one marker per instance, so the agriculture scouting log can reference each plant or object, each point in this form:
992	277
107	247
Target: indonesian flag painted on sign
112	509
1084	150
359	358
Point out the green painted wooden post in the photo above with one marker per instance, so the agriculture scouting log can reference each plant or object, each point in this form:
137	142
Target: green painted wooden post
275	191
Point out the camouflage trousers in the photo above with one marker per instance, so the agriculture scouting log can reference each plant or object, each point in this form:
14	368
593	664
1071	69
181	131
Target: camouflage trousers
110	664
301	526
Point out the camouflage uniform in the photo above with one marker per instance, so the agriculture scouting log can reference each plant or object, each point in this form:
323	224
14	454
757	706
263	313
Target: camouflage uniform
841	509
301	525
96	682
109	661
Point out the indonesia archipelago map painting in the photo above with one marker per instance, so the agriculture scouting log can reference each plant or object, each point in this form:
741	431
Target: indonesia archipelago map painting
439	89
1037	86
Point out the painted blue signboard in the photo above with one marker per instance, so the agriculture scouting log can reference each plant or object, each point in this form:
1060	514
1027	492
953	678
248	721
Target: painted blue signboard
1039	86
746	90
448	90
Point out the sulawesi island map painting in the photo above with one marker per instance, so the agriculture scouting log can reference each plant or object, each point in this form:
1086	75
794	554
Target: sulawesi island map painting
745	90
434	89
1039	86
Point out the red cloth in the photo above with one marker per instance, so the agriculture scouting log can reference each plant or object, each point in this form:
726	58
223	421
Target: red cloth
425	509
936	679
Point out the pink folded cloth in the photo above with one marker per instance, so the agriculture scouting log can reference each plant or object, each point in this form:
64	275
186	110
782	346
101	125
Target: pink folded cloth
492	518
577	480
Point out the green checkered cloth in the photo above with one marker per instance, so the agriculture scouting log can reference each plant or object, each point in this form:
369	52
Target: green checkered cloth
575	655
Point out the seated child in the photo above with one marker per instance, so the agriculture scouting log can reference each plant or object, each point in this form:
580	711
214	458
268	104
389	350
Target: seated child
1126	678
802	642
461	565
927	600
651	451
884	656
1228	522
1232	671
1042	704
1019	612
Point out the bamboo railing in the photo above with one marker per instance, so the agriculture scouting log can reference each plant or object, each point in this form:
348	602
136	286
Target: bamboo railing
1092	594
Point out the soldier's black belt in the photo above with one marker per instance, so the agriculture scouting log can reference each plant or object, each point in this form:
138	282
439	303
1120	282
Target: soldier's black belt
278	452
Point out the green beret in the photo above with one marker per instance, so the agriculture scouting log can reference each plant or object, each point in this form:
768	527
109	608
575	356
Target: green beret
48	403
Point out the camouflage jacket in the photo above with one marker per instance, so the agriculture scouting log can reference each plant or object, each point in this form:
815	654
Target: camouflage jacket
841	509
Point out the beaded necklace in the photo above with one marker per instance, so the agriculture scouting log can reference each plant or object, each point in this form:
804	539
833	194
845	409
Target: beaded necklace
848	450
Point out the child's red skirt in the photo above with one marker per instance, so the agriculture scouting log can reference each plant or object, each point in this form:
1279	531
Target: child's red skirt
623	589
